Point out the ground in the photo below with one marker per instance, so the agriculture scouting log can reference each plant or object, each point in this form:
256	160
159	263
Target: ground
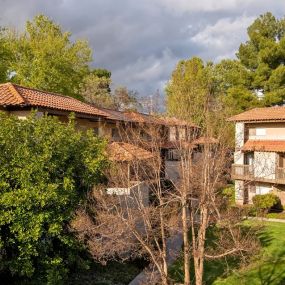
266	268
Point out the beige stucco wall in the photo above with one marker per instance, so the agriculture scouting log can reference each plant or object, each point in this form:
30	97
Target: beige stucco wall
274	131
23	114
172	133
239	142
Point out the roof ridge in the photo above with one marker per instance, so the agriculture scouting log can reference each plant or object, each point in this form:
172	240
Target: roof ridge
43	91
15	92
55	94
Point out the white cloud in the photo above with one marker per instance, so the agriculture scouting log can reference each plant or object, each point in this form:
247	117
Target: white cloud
223	37
141	41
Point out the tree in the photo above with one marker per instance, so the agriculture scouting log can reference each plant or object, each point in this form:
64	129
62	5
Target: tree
263	55
46	169
44	57
188	88
126	100
95	89
121	227
5	57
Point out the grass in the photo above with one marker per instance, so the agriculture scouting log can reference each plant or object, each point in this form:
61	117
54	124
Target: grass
276	215
267	268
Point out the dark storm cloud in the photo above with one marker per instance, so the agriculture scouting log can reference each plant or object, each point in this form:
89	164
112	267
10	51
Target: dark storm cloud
141	41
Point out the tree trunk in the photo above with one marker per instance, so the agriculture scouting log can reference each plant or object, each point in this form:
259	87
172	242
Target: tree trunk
186	243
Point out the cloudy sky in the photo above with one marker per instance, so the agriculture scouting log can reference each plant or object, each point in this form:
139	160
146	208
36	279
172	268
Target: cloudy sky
141	41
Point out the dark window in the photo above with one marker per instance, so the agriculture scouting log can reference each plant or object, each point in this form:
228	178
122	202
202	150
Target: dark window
96	131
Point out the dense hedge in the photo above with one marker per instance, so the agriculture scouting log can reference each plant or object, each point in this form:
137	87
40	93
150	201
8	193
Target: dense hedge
46	167
263	203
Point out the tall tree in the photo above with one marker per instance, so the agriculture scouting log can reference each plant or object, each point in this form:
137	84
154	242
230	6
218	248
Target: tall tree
188	88
126	100
233	86
45	57
264	56
95	89
5	56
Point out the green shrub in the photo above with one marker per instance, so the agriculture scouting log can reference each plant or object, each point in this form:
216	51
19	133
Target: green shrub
229	193
263	203
46	167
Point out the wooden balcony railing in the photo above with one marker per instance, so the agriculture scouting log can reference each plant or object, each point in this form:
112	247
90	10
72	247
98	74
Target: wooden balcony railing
243	170
246	172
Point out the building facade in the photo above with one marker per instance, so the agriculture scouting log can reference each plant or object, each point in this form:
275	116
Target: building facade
259	158
131	135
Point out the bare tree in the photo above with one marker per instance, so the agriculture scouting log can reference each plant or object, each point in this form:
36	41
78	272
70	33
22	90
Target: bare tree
123	222
136	214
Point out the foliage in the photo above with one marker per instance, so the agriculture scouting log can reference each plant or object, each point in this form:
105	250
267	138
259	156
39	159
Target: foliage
126	100
263	55
265	202
280	216
44	57
101	72
5	57
46	167
95	89
229	193
188	90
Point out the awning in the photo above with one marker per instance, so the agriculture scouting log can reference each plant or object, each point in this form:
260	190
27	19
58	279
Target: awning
121	151
264	145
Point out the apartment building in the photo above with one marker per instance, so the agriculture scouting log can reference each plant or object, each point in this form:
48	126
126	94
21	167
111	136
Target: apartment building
259	159
130	134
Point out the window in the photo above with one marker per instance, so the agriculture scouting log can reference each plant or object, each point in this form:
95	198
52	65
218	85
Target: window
260	131
282	160
96	131
115	134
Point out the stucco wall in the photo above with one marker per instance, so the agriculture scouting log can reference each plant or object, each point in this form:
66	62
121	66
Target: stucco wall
239	188
273	131
239	139
264	164
23	114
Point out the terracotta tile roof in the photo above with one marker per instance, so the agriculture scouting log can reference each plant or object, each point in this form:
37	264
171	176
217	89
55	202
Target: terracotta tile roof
263	145
261	114
115	115
15	95
121	151
143	118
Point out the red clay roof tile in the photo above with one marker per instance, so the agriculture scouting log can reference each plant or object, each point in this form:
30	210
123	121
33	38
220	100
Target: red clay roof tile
264	145
15	95
121	151
260	114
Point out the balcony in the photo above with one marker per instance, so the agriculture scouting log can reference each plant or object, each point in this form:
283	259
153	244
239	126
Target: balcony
246	172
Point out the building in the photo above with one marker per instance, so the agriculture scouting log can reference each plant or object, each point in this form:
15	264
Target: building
131	135
259	159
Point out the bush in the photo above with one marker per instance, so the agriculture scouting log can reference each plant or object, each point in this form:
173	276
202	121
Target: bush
229	193
263	203
46	167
